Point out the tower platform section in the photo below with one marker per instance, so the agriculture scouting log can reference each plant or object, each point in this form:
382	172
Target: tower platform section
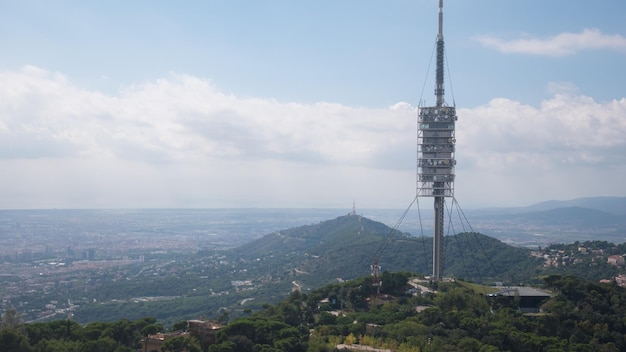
435	151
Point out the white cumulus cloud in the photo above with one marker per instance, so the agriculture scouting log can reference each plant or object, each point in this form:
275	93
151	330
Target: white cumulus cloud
570	146
180	141
185	118
562	44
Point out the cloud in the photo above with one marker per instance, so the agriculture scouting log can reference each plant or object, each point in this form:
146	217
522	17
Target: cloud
562	44
564	125
184	118
570	146
181	142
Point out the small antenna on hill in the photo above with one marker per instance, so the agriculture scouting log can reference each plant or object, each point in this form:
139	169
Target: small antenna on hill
375	278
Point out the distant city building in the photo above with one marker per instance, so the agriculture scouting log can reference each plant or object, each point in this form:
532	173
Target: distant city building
153	343
616	260
204	331
620	280
529	298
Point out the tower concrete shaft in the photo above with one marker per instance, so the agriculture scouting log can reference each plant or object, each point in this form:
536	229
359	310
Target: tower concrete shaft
439	201
438	239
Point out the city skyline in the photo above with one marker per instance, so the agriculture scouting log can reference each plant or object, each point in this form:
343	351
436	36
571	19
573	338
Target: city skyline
310	104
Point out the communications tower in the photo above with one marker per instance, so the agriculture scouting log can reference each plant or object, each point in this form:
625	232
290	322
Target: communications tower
435	153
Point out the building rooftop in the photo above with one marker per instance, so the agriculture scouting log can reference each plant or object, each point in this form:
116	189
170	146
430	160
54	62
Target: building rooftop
522	291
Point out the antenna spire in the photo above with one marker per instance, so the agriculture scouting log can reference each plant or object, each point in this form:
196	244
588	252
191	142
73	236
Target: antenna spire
440	34
439	90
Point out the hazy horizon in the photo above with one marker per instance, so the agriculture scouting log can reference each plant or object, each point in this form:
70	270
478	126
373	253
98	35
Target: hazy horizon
425	205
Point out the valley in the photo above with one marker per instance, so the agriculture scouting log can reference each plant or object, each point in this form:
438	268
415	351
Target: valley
184	264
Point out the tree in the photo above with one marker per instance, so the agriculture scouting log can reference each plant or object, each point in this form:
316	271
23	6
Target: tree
227	346
394	283
180	326
11	319
289	313
327	319
350	339
14	341
151	329
103	344
242	343
58	346
181	344
224	317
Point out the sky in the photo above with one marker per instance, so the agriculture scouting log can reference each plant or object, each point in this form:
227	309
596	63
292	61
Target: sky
305	104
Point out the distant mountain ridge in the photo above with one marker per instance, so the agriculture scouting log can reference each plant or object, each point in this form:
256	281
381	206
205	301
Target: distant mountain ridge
611	205
582	219
566	216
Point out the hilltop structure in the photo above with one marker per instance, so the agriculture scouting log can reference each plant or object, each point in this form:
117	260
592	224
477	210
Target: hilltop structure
435	153
203	330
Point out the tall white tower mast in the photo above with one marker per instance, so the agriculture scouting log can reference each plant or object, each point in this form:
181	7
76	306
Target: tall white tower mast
435	153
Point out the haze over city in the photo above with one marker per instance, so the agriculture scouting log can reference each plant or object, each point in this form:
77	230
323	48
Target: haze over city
305	104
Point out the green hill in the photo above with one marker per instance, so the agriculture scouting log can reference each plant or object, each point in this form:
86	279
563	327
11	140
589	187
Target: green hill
311	256
345	248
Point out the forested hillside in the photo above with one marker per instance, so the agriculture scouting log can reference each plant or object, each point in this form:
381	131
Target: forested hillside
308	257
456	316
346	247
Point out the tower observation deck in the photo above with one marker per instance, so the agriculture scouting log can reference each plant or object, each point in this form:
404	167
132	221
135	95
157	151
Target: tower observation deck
435	152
